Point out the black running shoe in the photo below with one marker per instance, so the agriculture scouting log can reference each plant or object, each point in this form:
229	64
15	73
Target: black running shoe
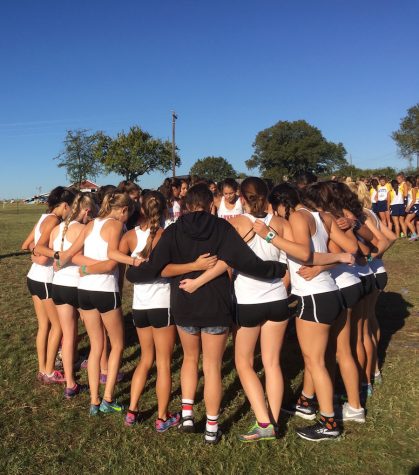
304	407
187	424
212	437
325	429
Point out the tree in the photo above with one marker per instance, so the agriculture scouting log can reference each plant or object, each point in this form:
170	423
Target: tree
407	137
79	156
213	168
291	148
134	154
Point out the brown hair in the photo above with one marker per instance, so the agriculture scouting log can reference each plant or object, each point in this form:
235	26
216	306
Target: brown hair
255	192
113	200
153	206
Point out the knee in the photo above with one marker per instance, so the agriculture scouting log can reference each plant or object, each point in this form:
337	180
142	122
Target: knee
190	359
270	363
243	363
211	367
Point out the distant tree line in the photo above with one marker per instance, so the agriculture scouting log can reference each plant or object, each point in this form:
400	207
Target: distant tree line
282	151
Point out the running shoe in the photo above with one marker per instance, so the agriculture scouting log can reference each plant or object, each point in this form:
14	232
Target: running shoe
378	379
402	235
40	377
304	407
256	433
212	437
94	409
55	378
350	414
172	420
131	418
187	424
413	237
110	407
69	393
325	428
104	378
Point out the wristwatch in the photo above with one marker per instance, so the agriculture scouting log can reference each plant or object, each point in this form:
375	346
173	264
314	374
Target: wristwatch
57	255
270	236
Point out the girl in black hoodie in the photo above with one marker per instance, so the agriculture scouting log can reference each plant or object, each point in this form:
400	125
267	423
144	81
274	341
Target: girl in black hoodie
203	317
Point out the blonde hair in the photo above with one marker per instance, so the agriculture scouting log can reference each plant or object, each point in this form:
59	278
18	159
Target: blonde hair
113	200
153	206
363	194
82	200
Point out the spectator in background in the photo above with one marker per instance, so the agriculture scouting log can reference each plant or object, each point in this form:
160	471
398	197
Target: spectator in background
305	179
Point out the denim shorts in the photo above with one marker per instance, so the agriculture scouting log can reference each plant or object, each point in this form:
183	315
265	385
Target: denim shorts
209	330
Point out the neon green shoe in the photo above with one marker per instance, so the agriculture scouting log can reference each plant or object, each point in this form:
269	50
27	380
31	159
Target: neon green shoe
110	407
256	433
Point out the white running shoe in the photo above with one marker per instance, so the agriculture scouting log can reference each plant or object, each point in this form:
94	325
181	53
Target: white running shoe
351	414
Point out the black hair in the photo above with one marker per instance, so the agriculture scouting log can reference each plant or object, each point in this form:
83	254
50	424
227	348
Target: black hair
59	195
374	183
345	198
286	195
305	179
198	196
395	185
231	183
104	190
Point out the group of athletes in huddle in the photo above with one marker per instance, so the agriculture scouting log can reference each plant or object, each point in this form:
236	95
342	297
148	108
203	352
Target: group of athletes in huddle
205	261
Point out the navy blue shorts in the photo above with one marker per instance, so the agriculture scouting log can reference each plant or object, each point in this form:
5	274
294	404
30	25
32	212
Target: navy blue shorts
374	207
397	210
381	206
414	210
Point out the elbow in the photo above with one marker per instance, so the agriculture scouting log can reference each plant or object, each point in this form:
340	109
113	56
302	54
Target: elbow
353	248
306	257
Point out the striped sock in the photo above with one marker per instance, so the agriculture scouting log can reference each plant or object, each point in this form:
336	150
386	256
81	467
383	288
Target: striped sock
187	411
211	427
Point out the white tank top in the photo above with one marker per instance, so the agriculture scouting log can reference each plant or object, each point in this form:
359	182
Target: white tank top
382	192
345	275
67	275
96	248
224	212
38	272
409	197
377	264
324	281
154	294
250	290
397	198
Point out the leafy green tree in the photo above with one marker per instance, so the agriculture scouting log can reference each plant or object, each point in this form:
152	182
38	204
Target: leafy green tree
79	155
407	137
213	168
291	148
135	153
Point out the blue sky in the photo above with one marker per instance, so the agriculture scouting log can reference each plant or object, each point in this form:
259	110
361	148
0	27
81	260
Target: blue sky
229	68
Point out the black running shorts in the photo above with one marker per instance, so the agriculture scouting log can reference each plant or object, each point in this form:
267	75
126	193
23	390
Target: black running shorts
352	295
381	280
65	295
368	284
320	308
253	315
42	290
152	317
96	299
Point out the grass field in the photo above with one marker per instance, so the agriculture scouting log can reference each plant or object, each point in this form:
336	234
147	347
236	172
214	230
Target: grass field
42	433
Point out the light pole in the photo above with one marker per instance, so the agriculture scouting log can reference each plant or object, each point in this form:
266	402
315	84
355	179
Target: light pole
174	117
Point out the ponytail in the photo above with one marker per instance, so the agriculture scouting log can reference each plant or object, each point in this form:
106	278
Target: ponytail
115	199
153	207
255	192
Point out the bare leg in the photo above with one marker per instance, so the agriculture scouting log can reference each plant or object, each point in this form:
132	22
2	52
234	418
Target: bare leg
189	371
403	225
395	220
357	337
313	338
139	378
55	335
68	320
164	340
112	321
213	347
42	333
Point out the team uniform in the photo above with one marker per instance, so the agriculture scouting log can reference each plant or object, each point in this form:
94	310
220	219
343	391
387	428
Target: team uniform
98	291
377	265
397	205
319	299
225	213
415	208
259	300
349	284
151	300
66	279
382	197
39	277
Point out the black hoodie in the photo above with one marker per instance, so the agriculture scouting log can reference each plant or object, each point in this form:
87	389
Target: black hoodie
192	235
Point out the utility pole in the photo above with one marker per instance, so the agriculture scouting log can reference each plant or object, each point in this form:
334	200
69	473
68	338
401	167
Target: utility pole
174	117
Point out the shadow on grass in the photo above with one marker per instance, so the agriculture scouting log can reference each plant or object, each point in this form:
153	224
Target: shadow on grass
392	311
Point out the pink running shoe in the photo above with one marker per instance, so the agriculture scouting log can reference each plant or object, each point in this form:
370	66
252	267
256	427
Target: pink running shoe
55	378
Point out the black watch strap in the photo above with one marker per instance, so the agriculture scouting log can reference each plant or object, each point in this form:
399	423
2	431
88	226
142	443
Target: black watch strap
57	255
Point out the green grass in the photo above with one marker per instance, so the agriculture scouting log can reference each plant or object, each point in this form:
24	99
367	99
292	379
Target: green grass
42	433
